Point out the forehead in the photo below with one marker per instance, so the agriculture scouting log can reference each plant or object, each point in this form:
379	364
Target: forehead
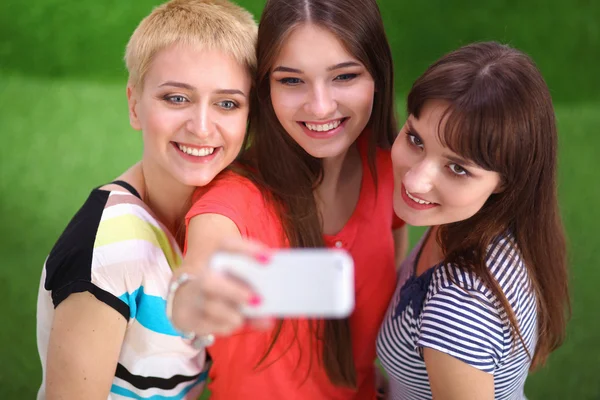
430	120
197	66
311	47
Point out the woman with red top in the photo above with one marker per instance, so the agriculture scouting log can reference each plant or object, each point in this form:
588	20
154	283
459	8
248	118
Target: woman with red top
318	173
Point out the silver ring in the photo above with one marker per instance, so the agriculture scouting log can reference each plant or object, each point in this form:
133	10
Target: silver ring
200	342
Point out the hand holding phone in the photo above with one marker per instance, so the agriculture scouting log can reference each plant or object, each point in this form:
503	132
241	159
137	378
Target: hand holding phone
313	283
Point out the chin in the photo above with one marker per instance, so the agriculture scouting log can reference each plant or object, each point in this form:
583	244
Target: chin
411	217
196	180
329	150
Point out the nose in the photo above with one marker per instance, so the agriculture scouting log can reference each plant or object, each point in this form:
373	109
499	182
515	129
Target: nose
321	104
419	179
199	122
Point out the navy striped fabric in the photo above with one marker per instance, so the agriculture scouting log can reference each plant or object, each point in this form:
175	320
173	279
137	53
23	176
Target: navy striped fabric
460	317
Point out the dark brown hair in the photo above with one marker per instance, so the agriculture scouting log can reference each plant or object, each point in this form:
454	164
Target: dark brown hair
286	173
500	117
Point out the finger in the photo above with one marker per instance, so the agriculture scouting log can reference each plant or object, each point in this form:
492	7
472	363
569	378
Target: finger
207	322
226	288
220	313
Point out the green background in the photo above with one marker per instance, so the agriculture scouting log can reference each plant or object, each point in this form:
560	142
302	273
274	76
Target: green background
63	111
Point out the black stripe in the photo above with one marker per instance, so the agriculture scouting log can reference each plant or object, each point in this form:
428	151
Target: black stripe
148	382
69	264
84	286
127	186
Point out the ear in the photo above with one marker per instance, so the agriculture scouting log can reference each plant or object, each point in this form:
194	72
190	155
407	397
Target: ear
132	102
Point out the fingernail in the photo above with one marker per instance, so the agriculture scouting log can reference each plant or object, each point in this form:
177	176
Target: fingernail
254	300
263	258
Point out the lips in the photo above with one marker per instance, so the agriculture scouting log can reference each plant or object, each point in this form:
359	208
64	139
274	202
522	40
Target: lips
197	154
324	129
416	202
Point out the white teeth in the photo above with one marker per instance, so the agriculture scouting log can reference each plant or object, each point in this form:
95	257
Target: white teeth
415	199
324	127
193	151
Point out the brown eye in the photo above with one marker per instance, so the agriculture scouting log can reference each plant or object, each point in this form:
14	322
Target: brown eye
457	169
414	140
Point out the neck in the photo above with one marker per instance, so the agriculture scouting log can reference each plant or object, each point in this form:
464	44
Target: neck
432	251
165	196
334	169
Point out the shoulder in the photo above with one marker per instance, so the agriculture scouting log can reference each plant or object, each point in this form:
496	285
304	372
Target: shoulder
230	183
503	260
112	239
463	317
129	231
71	255
241	201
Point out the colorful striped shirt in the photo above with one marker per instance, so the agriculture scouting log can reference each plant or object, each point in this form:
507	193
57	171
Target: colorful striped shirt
460	317
117	250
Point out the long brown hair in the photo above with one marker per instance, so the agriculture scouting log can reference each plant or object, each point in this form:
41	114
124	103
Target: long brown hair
500	116
286	173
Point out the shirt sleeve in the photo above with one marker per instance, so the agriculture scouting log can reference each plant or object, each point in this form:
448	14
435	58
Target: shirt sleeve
231	196
464	324
120	259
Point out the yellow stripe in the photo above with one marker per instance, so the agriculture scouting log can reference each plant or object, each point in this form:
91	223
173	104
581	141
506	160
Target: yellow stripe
132	227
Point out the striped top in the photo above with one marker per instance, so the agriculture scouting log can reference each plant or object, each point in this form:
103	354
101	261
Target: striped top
115	249
460	317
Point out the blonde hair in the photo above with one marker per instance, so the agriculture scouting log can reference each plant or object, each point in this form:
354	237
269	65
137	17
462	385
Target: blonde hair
210	24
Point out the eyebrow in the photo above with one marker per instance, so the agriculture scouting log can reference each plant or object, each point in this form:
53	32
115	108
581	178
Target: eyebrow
458	160
449	157
332	68
192	88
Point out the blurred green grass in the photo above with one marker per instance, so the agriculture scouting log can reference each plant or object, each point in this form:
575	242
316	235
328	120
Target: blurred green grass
83	38
66	136
63	112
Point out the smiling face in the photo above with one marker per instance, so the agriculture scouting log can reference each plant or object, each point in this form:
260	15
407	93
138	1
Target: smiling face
433	185
321	94
193	111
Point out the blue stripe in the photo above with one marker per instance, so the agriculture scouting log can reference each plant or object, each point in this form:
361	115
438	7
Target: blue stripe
149	311
121	391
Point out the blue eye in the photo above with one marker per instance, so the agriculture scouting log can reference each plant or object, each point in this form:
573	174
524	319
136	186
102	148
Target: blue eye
227	104
290	81
176	99
345	77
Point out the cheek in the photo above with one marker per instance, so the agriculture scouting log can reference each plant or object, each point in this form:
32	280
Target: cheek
359	98
286	102
160	122
234	128
402	157
467	199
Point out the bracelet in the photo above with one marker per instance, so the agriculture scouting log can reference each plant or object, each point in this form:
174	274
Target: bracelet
198	342
173	286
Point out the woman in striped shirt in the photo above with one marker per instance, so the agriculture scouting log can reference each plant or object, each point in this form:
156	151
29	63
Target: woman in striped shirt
482	298
102	327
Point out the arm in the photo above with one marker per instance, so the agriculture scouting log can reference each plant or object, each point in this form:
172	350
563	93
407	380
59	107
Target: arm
400	244
452	379
462	336
83	349
210	302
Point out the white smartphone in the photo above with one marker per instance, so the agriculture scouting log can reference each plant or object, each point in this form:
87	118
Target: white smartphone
312	283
